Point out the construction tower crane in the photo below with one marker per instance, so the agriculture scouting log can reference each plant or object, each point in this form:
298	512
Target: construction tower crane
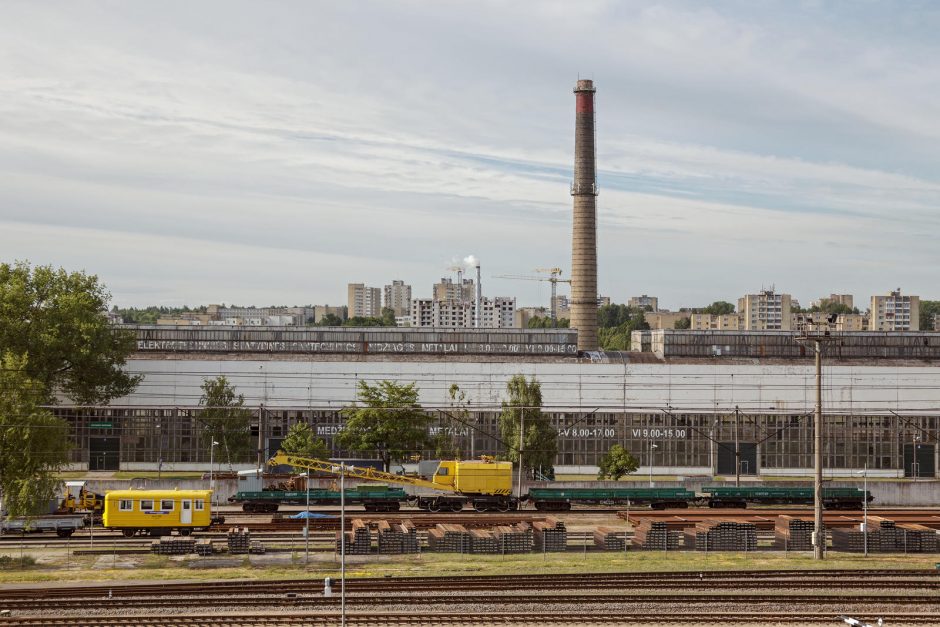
553	278
484	484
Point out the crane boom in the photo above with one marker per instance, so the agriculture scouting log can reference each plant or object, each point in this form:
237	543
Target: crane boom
356	472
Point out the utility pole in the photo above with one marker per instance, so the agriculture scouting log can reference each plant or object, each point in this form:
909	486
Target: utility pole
819	533
737	448
261	459
521	445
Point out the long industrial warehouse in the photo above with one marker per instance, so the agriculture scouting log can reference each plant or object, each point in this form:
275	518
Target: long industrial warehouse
674	405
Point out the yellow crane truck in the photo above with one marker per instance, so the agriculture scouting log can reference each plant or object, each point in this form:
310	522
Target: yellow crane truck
484	485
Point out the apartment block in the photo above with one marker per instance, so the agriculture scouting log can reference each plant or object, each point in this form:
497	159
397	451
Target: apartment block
397	297
650	303
765	311
894	312
839	299
664	319
364	301
497	313
562	307
461	290
320	311
821	320
711	322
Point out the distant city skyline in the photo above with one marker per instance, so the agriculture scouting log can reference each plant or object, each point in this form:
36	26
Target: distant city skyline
260	154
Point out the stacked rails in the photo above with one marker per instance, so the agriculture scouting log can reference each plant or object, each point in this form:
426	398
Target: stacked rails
397	537
356	542
204	547
885	536
794	534
514	539
482	541
168	545
722	535
239	540
655	535
610	539
550	535
446	538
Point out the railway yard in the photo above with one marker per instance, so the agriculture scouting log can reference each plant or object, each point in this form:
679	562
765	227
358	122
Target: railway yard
609	567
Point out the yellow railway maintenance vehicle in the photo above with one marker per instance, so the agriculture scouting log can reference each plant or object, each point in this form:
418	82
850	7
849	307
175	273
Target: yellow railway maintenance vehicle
158	512
484	484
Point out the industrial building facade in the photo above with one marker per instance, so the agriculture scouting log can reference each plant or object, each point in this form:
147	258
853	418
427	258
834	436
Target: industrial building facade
673	410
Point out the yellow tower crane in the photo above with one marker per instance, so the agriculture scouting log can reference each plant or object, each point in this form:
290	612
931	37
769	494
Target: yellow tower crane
483	484
553	278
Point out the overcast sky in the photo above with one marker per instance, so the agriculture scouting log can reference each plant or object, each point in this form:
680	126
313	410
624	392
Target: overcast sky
271	152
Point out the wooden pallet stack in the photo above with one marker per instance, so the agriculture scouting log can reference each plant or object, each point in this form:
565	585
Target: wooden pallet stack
655	535
358	541
448	538
722	535
397	537
514	539
168	545
793	534
239	540
204	547
550	535
610	539
483	541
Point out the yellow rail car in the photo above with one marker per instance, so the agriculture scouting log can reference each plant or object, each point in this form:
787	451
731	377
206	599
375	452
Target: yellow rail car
158	512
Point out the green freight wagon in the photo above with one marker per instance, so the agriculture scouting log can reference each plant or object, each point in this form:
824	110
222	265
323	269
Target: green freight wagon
833	498
560	499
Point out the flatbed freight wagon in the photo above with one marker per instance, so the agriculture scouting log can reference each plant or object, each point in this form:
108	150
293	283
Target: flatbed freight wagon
833	498
63	525
555	499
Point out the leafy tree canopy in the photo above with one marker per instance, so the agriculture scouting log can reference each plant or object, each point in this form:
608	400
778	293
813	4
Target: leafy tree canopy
226	420
33	443
302	441
387	420
616	463
330	320
539	322
719	308
524	408
55	317
928	309
683	323
833	307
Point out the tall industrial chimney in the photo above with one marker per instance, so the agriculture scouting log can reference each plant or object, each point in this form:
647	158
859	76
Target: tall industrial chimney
479	310
584	234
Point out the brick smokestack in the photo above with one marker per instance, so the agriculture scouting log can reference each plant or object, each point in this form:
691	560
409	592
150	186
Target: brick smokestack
584	235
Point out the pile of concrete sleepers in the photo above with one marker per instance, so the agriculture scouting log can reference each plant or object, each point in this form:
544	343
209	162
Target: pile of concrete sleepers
358	541
550	535
610	539
725	535
204	547
655	535
446	538
397	537
483	541
239	540
793	534
514	539
173	546
885	536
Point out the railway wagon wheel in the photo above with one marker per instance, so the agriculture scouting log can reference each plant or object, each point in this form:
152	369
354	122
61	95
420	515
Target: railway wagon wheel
64	533
128	533
186	531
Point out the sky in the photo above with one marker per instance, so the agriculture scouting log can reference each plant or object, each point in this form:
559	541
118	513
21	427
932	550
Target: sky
272	152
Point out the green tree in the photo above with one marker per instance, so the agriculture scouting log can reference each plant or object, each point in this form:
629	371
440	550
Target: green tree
539	322
34	444
524	408
225	419
719	308
55	317
683	323
330	320
619	338
928	309
302	441
388	317
616	463
387	420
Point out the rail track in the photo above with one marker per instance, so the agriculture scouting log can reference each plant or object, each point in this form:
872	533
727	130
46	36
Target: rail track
401	619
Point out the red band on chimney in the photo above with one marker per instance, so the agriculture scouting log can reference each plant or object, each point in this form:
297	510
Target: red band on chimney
584	103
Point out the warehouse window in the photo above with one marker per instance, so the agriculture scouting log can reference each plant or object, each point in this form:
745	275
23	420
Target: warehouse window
200	505
166	504
126	505
146	505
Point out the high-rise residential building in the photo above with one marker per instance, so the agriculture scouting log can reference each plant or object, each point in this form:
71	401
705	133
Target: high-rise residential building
365	302
497	313
603	300
664	319
714	322
649	303
894	312
822	320
398	297
463	290
765	311
562	307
